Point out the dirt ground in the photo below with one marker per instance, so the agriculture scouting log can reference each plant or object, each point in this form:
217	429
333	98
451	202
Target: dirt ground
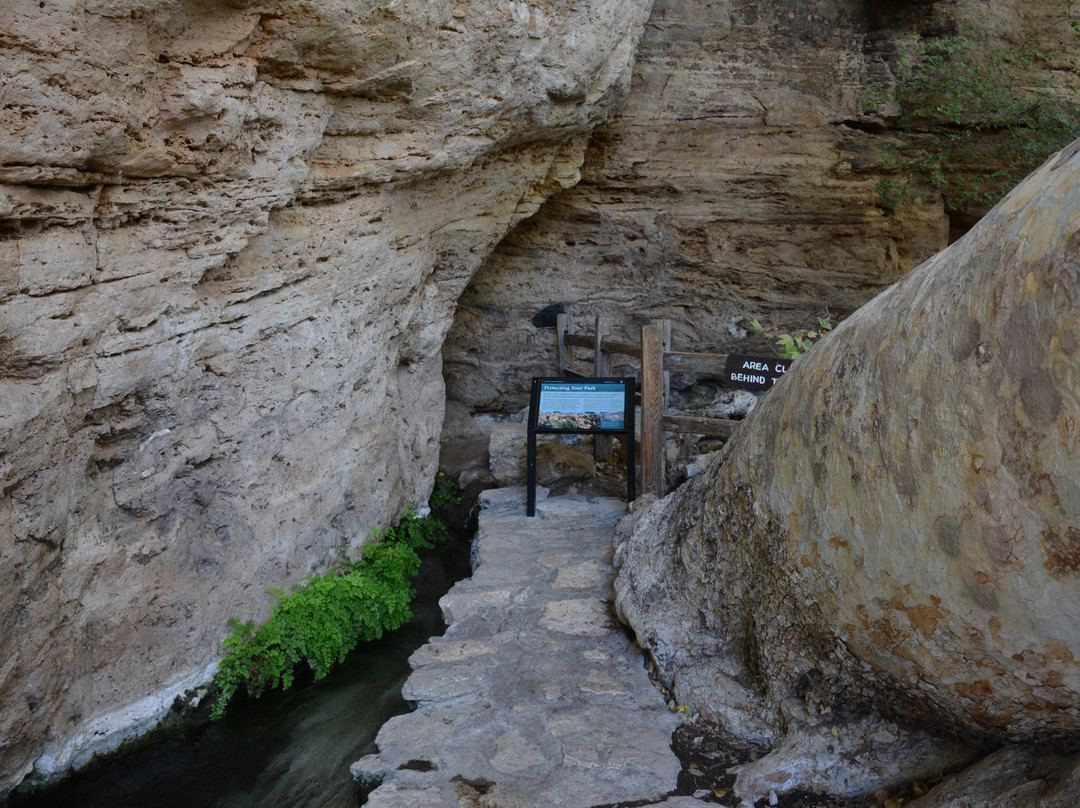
707	752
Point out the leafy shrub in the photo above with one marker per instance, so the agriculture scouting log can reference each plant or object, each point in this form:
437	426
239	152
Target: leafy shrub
977	117
797	343
327	615
446	491
699	402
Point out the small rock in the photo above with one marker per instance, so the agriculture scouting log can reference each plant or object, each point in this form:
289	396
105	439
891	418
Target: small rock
506	451
733	404
369	772
559	464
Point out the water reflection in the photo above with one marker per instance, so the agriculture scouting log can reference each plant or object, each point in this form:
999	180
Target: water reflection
285	749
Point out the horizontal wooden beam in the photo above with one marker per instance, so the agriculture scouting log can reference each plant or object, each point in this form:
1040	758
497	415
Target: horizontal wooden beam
695	362
579	340
607	344
625	348
673	360
718	427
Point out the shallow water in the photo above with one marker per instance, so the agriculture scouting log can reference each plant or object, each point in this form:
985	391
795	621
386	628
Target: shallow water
284	749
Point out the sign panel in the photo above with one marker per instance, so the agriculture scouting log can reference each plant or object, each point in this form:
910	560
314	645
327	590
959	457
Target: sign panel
581	406
755	373
570	405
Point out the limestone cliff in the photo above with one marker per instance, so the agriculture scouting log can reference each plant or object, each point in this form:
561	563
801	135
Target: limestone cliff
739	182
231	239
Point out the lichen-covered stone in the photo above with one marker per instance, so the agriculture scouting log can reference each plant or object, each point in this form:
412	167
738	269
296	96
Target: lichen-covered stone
893	529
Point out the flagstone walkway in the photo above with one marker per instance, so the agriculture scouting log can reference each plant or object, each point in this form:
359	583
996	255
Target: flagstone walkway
534	696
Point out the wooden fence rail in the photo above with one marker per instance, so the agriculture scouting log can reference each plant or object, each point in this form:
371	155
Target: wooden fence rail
654	388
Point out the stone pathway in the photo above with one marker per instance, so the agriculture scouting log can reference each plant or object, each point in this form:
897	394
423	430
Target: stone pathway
533	696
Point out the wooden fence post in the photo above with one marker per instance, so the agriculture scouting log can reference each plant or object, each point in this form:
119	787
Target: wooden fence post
665	325
652	409
601	369
564	324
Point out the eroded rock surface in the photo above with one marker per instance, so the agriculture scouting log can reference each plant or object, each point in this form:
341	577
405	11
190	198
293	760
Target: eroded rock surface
232	238
1013	776
735	184
740	181
892	532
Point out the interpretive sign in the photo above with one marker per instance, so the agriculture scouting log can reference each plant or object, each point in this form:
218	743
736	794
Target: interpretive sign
580	405
755	373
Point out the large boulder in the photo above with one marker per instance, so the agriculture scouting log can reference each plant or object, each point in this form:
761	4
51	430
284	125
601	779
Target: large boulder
895	529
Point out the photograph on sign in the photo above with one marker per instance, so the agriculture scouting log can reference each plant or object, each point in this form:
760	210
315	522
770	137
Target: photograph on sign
581	405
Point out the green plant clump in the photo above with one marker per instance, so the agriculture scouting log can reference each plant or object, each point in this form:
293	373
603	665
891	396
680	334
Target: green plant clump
977	117
698	398
795	344
327	615
446	491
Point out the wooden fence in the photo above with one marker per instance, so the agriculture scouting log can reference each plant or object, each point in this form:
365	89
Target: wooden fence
657	362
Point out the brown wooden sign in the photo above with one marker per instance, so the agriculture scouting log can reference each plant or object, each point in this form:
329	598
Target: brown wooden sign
757	373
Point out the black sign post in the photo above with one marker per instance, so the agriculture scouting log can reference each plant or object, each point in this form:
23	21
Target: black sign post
567	405
757	373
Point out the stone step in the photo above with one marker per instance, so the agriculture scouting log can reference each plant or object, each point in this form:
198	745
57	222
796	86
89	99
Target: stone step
534	696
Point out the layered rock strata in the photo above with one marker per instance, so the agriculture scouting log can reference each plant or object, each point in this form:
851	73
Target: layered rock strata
232	238
740	181
892	532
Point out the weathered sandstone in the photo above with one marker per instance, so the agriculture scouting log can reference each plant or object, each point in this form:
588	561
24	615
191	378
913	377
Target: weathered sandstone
233	234
738	182
892	532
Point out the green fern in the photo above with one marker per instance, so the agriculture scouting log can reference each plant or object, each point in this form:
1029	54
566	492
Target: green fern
327	615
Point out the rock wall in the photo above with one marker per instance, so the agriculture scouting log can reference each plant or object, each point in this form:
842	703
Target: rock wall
893	529
738	182
231	239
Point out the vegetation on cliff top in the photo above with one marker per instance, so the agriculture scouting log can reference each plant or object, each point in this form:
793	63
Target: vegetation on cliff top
977	114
